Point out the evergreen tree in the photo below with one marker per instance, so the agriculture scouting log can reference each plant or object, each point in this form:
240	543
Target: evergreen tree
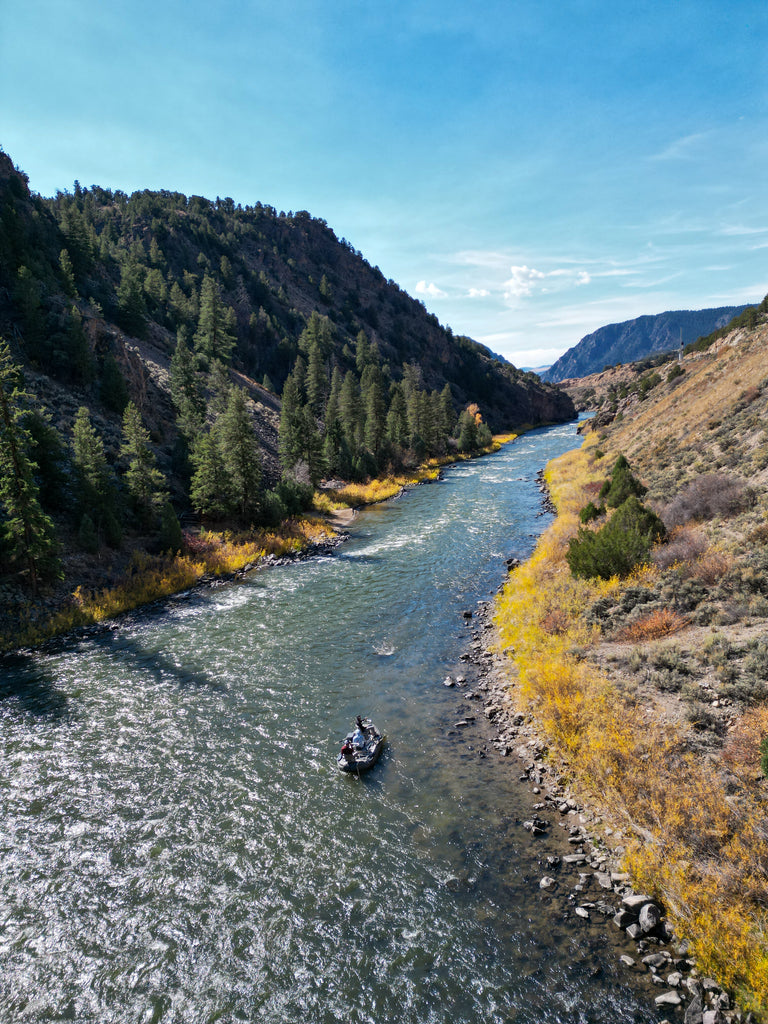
312	448
79	364
241	456
185	387
145	483
318	331
48	453
96	494
397	419
447	412
211	488
216	328
351	412
67	274
467	428
28	298
26	533
170	537
131	307
290	444
317	379
375	419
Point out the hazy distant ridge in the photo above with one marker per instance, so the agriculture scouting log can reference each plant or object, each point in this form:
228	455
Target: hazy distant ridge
634	339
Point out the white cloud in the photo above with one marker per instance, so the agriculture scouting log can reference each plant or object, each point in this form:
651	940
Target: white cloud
431	289
522	281
525	280
478	293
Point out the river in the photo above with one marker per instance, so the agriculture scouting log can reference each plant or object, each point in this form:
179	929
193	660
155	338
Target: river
178	846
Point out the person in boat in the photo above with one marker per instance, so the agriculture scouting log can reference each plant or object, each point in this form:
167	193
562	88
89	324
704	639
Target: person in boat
348	751
358	736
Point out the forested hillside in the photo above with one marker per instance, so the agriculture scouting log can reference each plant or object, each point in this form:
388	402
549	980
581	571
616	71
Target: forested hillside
146	339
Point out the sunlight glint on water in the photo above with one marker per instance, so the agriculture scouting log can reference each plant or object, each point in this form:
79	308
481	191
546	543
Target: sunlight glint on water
178	846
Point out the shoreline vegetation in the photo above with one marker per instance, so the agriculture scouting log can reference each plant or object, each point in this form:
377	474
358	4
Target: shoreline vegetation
675	821
209	555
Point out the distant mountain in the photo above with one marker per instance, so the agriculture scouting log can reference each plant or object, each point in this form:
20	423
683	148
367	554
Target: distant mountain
635	339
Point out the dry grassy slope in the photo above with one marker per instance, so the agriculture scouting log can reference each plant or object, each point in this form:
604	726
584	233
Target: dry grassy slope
714	418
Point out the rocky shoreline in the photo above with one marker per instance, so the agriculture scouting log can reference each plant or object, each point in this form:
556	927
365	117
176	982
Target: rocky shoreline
586	880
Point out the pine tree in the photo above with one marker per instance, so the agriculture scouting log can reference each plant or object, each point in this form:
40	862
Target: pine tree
131	307
146	484
291	423
96	493
312	448
211	488
397	419
67	274
27	534
216	328
241	456
375	419
185	387
317	379
351	412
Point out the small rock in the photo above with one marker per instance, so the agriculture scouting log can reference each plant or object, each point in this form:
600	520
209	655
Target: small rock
582	912
627	960
668	999
674	980
634	931
712	1017
635	901
547	882
603	879
650	916
448	681
656	960
694	1012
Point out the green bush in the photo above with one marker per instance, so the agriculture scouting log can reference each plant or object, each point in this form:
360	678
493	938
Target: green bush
614	550
621	485
590	511
764	756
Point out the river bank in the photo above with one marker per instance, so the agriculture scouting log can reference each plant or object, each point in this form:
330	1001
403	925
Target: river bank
586	878
561	699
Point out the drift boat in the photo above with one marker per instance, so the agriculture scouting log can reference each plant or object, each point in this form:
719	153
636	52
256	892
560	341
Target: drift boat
361	748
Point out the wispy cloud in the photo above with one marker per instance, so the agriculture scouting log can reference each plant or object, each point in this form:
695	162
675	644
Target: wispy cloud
684	148
478	293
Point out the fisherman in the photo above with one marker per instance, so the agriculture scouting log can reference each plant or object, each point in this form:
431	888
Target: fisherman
358	737
348	751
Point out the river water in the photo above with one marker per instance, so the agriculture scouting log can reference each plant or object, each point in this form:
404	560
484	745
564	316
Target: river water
178	846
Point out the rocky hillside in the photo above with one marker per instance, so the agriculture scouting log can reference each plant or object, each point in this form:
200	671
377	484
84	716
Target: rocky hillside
652	685
636	339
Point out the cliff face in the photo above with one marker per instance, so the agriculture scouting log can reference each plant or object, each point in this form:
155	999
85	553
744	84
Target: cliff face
636	339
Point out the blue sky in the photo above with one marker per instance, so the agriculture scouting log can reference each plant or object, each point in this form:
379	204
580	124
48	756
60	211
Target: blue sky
530	170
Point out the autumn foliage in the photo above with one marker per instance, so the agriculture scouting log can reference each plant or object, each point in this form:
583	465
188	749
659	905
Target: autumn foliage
701	852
